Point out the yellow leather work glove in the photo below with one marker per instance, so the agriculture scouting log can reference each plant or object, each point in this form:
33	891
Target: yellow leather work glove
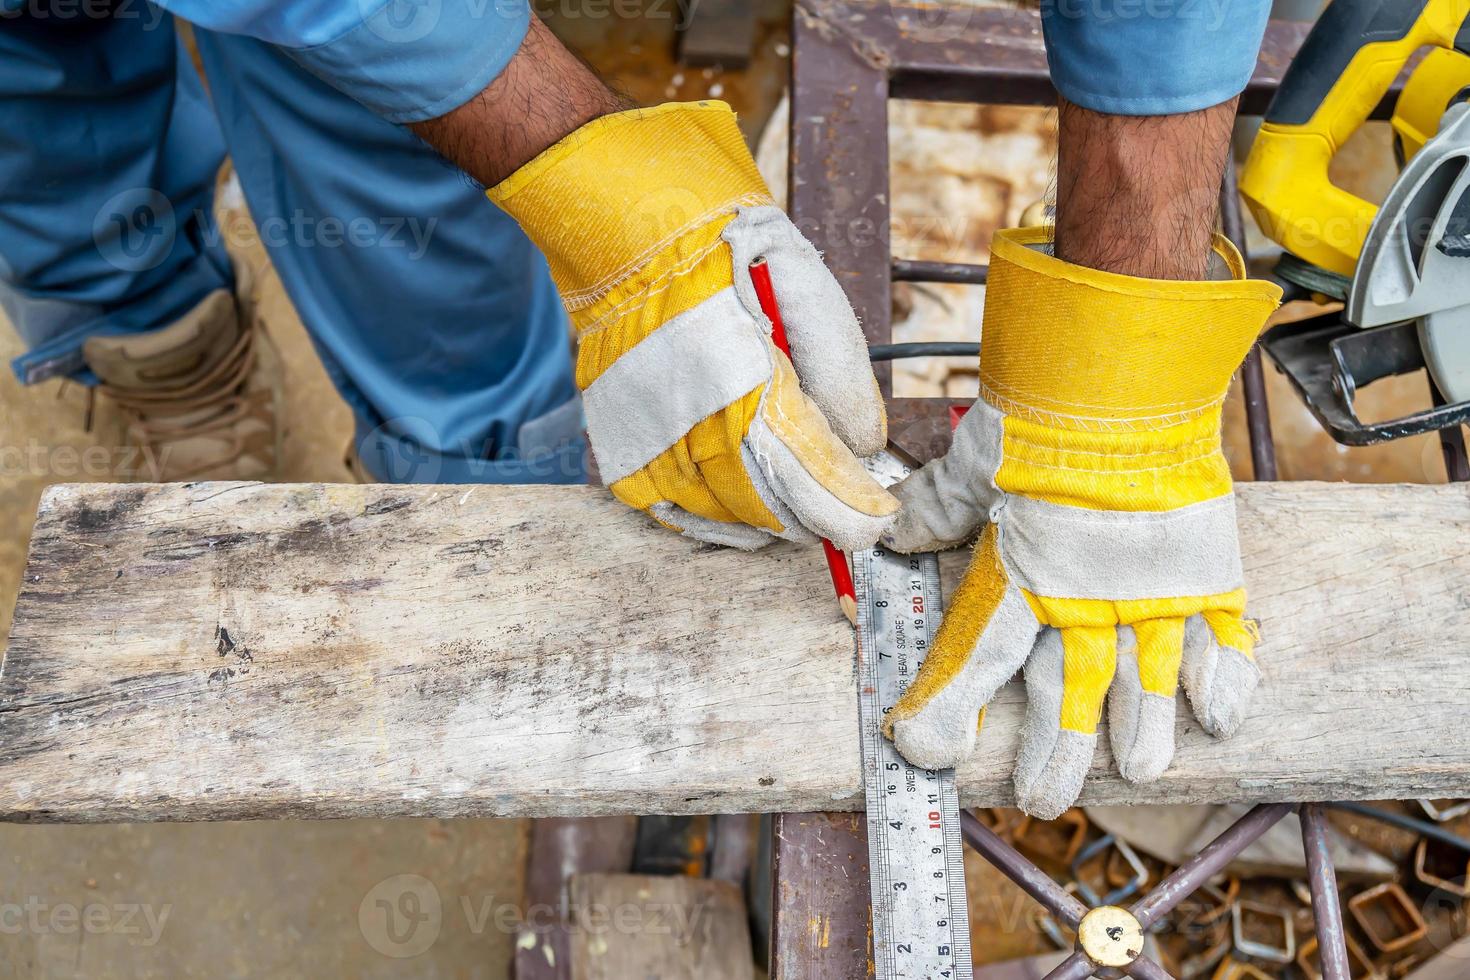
1108	564
650	219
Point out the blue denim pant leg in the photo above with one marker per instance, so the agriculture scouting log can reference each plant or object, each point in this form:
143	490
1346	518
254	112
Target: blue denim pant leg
108	156
1152	57
435	316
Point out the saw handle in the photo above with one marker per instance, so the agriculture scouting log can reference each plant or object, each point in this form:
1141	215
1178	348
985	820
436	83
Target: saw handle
1325	61
1339	75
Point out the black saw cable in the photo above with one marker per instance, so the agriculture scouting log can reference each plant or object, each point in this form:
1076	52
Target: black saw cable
1421	827
933	348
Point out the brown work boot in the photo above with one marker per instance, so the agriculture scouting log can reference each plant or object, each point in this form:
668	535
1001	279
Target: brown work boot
199	398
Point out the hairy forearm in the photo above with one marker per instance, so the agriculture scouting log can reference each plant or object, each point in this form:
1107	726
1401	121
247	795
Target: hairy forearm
1138	195
544	93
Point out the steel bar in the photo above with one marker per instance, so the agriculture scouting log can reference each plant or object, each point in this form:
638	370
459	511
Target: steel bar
1257	416
717	34
1423	827
922	427
1075	967
839	159
977	54
1455	810
1027	876
916	270
928	348
820	909
1326	906
1451	443
1207	863
561	847
1144	968
1252	377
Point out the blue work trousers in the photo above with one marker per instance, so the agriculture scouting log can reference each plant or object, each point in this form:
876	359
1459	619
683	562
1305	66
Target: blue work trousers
435	317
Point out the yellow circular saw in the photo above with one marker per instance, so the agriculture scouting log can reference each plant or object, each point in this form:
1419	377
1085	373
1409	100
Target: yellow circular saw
1401	268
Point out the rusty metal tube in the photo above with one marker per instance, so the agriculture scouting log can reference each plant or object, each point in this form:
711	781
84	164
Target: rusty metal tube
1252	376
918	270
1075	967
1027	876
1207	863
1326	907
1144	968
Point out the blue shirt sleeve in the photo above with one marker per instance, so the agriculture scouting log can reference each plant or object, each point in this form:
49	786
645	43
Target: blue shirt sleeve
407	60
1152	57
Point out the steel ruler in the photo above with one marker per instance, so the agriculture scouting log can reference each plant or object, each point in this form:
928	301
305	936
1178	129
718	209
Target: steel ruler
921	918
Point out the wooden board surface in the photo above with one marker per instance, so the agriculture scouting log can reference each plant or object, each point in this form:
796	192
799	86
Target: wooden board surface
217	651
560	848
631	927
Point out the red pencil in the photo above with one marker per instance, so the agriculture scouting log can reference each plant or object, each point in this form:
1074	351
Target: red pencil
760	276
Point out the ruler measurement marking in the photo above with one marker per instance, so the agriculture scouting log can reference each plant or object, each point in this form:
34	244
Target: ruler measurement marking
898	610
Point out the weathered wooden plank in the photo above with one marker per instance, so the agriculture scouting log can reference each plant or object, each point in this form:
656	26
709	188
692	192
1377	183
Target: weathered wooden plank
561	848
217	651
645	926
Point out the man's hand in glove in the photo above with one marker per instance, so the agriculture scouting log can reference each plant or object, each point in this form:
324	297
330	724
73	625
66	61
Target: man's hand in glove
649	218
1108	565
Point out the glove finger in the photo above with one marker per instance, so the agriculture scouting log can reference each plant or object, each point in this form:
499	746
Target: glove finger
810	470
730	534
947	500
1141	700
827	343
1219	670
1067	677
701	489
732	488
987	631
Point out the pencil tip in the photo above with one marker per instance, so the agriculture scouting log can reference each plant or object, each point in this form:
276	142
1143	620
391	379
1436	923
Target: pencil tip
849	608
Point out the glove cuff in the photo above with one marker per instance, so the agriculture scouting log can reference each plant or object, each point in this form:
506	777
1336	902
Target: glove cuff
608	198
1076	348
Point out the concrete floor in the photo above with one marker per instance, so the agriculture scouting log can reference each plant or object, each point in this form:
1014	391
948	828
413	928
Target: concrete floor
359	898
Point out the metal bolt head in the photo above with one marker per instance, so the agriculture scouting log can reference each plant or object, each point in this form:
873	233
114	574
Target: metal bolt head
1110	936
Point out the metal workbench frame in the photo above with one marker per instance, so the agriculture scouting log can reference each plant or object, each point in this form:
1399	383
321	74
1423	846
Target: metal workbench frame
848	59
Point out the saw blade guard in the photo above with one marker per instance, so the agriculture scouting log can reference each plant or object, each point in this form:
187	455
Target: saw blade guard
1415	263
